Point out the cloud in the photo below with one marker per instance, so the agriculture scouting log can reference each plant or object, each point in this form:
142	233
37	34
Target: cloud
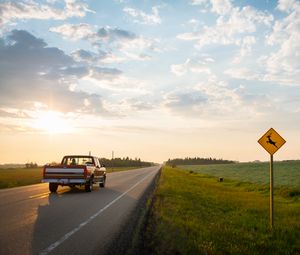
246	45
112	34
91	58
191	103
92	33
125	43
11	11
13	113
243	73
113	44
33	74
215	100
82	55
221	6
192	65
232	24
283	64
144	18
137	104
73	32
217	6
239	26
198	2
102	73
287	5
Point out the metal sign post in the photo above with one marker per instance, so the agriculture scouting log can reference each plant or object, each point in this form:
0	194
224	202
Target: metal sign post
271	141
271	193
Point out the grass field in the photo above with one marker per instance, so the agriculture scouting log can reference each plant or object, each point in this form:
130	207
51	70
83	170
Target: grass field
15	177
193	213
286	173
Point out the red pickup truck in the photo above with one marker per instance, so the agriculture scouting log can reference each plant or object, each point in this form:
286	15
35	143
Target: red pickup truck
75	170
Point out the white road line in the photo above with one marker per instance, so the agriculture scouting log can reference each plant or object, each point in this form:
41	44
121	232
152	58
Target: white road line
42	195
72	232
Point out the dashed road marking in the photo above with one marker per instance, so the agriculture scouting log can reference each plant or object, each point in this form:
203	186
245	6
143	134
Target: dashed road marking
72	232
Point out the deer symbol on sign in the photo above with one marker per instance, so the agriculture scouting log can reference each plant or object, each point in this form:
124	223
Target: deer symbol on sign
270	141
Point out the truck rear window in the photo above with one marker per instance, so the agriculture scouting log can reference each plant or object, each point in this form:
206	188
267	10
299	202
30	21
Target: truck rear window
78	161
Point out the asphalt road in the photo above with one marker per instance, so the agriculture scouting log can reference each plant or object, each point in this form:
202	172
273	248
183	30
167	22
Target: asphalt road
33	221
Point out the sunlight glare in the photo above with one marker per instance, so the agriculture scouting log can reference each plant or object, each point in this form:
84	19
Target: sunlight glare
52	123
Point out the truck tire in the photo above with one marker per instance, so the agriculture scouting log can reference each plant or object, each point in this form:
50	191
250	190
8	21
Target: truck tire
53	187
89	186
102	184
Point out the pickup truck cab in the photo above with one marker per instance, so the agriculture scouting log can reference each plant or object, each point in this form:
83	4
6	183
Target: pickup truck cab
75	170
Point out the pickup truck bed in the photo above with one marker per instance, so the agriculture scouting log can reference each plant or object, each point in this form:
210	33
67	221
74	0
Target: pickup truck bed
65	174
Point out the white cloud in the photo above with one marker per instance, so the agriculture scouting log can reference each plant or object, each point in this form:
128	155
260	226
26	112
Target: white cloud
287	5
238	26
232	24
283	65
119	86
243	73
198	2
178	70
216	100
74	32
192	65
189	36
113	44
103	73
221	6
144	18
138	44
246	45
210	99
217	6
12	11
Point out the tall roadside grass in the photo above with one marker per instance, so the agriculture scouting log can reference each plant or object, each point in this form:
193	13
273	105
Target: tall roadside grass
195	214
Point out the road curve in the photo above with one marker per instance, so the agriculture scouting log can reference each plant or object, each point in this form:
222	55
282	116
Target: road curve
32	221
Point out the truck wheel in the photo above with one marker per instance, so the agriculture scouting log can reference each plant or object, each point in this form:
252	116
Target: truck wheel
89	186
102	184
53	187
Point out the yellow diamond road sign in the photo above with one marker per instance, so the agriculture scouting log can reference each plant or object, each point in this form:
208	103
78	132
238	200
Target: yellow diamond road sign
271	141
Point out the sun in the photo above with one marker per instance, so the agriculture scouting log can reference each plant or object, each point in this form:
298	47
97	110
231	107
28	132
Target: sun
52	123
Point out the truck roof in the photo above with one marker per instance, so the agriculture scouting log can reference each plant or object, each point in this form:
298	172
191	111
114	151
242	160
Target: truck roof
80	156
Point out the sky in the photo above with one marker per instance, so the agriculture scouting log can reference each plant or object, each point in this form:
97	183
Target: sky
148	79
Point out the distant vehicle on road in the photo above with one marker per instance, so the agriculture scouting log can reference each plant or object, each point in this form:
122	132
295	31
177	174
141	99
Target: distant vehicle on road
75	170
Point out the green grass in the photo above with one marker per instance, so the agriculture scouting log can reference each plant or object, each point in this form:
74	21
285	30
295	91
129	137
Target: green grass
193	213
286	173
15	177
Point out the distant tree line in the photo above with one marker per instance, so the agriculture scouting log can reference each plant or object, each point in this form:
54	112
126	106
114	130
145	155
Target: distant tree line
125	162
11	166
197	161
31	165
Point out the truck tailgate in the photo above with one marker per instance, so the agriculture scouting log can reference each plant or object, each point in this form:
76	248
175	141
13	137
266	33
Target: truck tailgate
64	174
